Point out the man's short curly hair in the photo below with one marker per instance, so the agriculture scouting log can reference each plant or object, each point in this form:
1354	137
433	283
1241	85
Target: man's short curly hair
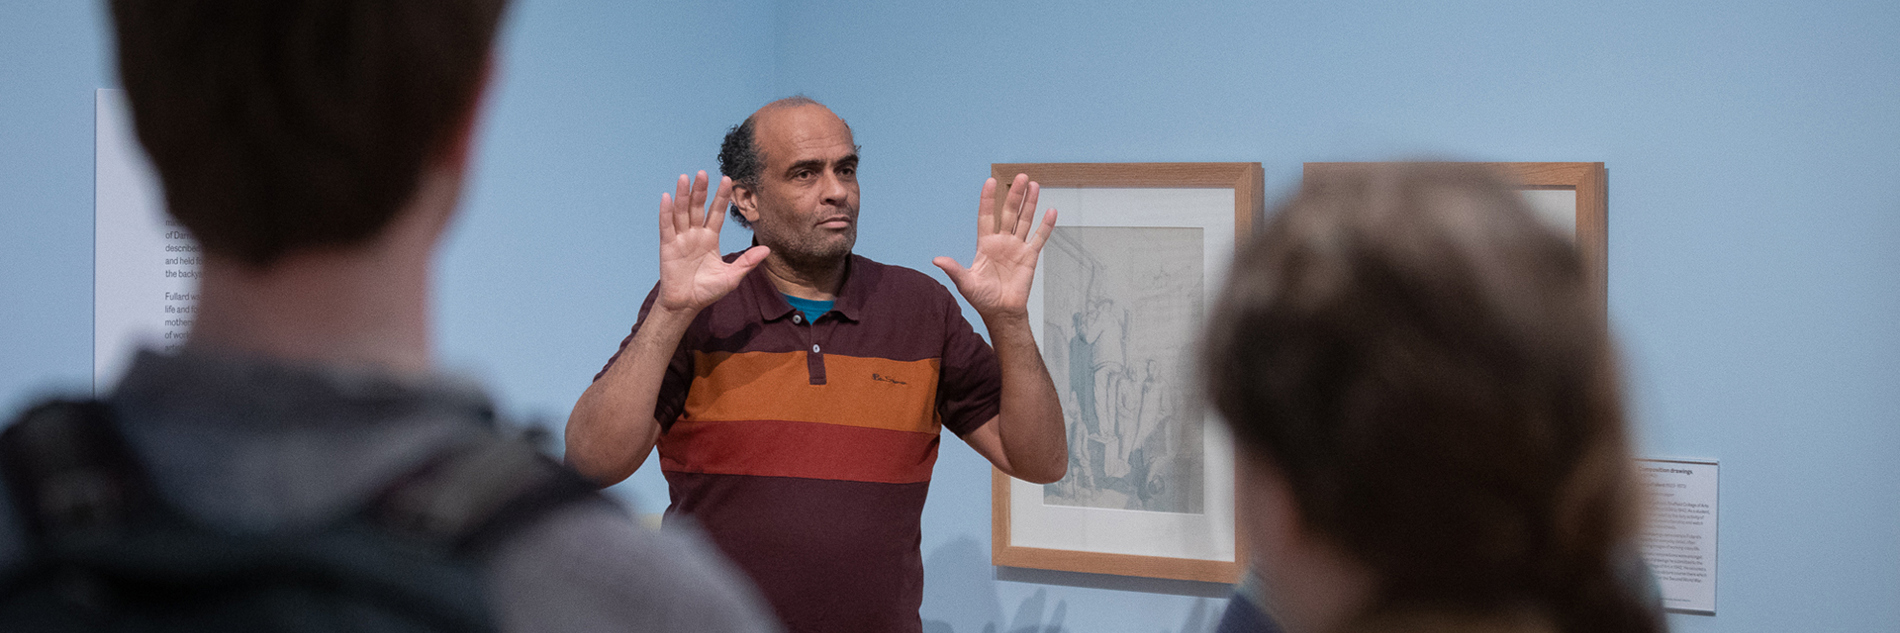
739	159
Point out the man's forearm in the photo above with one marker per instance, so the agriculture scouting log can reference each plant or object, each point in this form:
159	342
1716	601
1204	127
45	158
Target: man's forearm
1030	423
612	430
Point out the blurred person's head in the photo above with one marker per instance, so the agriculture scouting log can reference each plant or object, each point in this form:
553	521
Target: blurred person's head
1426	411
290	125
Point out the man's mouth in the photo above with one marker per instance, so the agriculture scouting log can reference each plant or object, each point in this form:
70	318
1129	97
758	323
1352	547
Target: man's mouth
836	222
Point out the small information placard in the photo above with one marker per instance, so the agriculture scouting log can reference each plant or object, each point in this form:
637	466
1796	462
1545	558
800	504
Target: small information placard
1679	535
145	266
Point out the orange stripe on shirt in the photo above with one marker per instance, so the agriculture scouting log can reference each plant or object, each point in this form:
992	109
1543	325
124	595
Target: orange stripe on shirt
781	448
871	393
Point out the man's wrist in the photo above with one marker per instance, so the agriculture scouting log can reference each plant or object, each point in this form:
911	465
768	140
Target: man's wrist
669	322
1004	319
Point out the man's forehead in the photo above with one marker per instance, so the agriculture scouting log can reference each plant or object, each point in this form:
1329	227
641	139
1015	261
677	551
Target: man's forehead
807	130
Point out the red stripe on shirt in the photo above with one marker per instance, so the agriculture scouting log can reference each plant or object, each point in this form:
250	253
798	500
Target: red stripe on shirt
780	448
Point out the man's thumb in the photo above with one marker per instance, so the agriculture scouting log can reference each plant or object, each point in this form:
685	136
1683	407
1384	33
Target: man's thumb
950	267
751	257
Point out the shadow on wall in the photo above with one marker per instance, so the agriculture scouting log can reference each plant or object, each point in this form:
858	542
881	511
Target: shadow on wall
962	598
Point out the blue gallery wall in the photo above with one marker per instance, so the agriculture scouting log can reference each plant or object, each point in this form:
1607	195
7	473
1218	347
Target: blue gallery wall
52	58
1750	148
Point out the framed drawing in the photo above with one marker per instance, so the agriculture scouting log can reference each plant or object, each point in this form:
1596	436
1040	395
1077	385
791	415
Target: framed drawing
1571	197
1121	290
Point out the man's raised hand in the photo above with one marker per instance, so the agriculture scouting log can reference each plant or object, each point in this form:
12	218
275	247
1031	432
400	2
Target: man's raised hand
692	275
1007	245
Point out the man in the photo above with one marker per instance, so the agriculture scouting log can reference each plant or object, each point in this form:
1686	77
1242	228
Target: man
317	150
795	390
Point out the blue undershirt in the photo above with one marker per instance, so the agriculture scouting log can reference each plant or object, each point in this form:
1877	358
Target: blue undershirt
812	308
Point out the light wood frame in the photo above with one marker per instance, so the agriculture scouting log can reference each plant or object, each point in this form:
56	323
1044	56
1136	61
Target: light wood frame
1589	180
1247	181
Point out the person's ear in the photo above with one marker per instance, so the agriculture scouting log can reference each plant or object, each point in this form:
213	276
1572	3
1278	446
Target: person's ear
1265	505
458	143
747	201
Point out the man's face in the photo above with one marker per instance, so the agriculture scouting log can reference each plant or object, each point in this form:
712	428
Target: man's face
806	205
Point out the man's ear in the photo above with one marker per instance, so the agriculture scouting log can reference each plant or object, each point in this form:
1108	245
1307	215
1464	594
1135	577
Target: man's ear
747	201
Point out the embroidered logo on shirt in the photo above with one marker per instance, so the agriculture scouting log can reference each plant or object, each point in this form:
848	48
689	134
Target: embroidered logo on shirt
884	378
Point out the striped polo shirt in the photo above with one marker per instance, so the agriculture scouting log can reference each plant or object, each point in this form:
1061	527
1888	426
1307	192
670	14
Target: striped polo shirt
804	448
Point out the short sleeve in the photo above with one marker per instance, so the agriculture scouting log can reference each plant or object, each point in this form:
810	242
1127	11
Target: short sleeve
970	390
679	371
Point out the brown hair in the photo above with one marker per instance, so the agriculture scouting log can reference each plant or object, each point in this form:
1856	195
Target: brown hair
1429	369
291	124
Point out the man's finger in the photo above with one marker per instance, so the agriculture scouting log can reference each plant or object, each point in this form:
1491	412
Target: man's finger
751	258
698	201
666	218
1012	204
682	191
716	214
1042	235
986	209
952	268
1025	221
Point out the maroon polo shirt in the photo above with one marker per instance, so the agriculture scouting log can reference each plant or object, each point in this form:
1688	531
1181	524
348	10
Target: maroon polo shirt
804	449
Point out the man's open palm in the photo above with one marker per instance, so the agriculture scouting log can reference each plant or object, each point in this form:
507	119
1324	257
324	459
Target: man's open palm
1007	244
692	275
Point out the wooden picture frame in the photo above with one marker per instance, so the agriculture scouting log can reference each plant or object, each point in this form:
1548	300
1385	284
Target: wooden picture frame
1076	525
1587	180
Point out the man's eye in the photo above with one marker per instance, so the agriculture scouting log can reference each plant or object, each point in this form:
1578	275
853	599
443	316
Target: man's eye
847	171
801	175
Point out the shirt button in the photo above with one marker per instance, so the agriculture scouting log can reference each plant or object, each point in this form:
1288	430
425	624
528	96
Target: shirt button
798	318
814	349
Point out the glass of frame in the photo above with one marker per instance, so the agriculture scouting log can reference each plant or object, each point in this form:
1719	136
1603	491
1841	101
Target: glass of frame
1122	289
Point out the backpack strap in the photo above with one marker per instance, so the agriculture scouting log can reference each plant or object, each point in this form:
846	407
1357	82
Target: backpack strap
108	552
71	474
474	495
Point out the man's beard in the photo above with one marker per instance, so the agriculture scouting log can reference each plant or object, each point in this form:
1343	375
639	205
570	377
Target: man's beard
803	253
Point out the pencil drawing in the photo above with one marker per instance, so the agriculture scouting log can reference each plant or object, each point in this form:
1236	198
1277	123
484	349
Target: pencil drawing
1120	306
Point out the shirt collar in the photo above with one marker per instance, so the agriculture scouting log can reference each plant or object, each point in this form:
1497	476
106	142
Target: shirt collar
772	306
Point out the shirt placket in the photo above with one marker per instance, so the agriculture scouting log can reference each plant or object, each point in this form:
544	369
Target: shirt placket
815	356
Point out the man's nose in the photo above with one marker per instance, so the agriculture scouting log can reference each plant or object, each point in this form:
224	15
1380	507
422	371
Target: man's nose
834	190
